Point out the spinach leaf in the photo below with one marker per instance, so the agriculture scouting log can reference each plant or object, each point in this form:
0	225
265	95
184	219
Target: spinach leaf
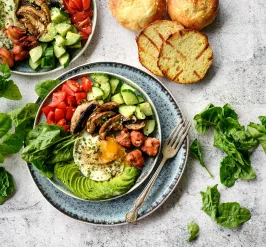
210	201
196	151
5	124
43	88
263	120
231	215
8	89
228	111
229	171
258	131
44	168
11	144
7	186
193	230
2	158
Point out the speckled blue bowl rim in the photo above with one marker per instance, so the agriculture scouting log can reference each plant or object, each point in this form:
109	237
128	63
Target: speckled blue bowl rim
181	167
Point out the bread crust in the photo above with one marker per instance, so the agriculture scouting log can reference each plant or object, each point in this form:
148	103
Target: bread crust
193	14
136	14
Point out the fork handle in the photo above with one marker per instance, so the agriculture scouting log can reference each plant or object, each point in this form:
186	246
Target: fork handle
132	215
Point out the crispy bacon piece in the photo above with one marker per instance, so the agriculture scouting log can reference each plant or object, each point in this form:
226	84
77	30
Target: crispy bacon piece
151	146
14	33
6	57
137	138
135	158
124	138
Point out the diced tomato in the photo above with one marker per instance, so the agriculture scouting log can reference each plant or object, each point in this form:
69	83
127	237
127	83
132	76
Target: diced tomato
59	114
46	110
86	84
57	98
79	5
71	101
68	90
79	16
66	127
68	8
69	113
80	97
87	30
73	5
61	122
86	4
84	36
74	85
51	117
84	26
62	106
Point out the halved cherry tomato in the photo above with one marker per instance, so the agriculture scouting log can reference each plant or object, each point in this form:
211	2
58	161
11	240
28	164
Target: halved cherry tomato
79	5
74	85
51	117
79	16
73	5
86	4
59	114
84	36
66	127
69	113
68	8
62	106
68	90
71	101
57	98
80	97
46	110
86	84
87	29
61	122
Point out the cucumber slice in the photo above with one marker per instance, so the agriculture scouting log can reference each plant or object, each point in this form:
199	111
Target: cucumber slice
127	110
100	78
59	40
118	98
106	90
125	86
36	53
50	34
48	62
59	51
72	38
34	65
129	97
74	29
44	46
64	60
115	85
95	93
76	46
95	84
57	15
49	51
140	99
139	114
146	108
63	28
149	127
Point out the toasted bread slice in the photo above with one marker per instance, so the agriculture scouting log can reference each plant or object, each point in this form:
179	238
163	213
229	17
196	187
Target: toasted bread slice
185	57
150	40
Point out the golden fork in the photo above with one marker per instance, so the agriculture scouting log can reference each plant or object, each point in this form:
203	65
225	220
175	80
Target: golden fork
170	149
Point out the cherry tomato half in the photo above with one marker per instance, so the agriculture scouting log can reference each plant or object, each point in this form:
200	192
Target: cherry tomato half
84	36
79	16
47	109
68	8
74	85
59	114
51	117
71	101
86	4
69	113
79	4
68	90
61	122
86	84
57	98
62	106
80	97
66	127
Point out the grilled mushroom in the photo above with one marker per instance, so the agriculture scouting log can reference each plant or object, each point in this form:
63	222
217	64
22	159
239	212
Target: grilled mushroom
31	10
81	115
109	106
98	119
31	28
113	123
135	126
44	7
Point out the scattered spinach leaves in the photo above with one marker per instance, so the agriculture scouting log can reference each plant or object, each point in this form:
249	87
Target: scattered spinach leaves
193	230
43	88
7	186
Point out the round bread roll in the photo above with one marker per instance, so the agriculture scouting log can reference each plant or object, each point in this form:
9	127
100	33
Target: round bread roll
193	14
136	14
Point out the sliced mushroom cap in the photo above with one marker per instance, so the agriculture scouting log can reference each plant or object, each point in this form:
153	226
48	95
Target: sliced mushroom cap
109	106
135	126
114	123
32	30
31	10
44	7
81	115
98	119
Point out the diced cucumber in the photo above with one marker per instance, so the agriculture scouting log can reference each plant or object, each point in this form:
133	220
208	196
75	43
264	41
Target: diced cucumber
59	51
100	78
36	53
44	46
117	98
115	85
101	102
72	38
48	62
129	97
125	86
127	110
34	65
57	15
64	60
49	51
139	114
63	28
76	46
146	108
59	40
149	127
140	99
74	29
50	34
95	84
106	90
95	93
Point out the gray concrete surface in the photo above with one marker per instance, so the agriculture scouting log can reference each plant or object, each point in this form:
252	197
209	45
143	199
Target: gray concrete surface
238	77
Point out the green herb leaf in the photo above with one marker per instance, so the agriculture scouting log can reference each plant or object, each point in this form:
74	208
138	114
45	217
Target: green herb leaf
228	111
5	124
258	131
229	171
4	69
231	215
196	151
193	230
11	144
7	186
43	88
263	120
210	201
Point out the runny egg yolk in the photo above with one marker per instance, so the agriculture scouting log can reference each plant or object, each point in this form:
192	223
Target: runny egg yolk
110	150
